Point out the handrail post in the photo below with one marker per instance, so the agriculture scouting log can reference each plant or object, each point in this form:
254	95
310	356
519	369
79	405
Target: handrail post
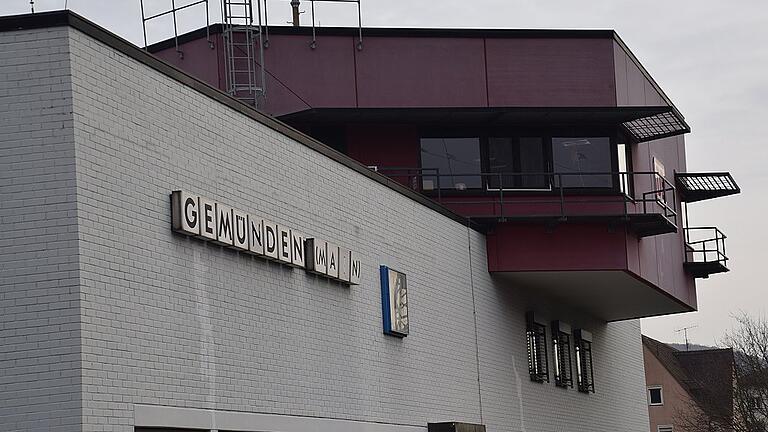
725	257
439	188
624	177
501	196
562	196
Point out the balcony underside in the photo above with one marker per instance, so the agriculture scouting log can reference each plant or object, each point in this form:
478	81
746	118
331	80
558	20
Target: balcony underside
642	225
703	186
644	123
608	211
705	269
611	295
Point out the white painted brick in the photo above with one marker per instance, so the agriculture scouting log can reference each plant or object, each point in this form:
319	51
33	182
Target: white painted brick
39	292
140	315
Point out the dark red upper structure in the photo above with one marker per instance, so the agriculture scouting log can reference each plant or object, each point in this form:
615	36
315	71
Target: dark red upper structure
558	143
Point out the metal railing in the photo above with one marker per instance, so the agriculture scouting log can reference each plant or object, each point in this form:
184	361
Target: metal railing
705	245
637	192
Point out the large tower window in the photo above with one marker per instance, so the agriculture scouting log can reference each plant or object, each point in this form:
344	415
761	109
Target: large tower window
456	160
522	161
580	160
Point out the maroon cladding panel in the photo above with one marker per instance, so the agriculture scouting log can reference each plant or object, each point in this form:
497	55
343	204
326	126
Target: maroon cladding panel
660	258
551	72
384	146
405	72
199	59
421	72
632	87
302	77
534	247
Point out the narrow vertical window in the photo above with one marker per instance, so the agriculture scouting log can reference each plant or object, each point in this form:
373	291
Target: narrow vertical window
537	349
625	164
584	376
561	344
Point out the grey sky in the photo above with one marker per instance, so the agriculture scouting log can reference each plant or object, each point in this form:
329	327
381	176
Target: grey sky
710	57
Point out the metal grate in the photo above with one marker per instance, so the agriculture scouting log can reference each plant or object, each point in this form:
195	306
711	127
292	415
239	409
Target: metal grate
537	350
561	342
584	373
665	124
701	186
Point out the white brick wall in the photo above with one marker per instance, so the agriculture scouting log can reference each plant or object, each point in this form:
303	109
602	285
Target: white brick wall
168	320
39	293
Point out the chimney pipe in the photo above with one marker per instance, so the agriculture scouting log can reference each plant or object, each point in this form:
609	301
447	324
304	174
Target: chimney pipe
295	7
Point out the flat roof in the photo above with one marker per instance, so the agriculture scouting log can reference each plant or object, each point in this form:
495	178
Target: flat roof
68	18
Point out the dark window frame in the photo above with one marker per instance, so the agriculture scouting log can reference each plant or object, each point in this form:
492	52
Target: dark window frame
561	347
482	188
629	144
515	142
585	378
614	134
661	395
538	357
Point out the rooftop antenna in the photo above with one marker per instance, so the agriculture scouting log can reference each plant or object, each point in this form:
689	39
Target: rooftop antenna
685	333
32	5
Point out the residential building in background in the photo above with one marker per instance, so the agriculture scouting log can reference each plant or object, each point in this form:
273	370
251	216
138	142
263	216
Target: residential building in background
688	390
286	229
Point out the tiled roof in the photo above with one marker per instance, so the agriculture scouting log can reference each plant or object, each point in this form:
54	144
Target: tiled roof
706	375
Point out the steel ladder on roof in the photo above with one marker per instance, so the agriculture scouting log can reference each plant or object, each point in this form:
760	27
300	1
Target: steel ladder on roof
244	50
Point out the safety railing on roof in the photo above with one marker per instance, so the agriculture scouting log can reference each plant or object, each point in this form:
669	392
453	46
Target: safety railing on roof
559	194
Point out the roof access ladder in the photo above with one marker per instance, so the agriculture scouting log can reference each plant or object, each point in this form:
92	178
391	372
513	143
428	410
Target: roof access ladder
243	33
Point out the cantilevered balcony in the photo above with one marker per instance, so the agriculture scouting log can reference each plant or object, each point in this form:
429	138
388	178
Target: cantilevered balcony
705	251
646	202
583	239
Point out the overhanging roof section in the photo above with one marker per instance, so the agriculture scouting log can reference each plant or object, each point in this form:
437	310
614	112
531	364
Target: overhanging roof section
645	123
703	186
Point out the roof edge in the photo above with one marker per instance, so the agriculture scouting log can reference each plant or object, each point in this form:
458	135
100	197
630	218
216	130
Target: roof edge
71	19
217	28
647	75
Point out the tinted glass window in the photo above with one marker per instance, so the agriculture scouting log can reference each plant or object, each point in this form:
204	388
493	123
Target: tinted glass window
654	395
515	158
579	159
457	161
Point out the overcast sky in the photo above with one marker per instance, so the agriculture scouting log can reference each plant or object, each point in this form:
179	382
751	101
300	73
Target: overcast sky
710	57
